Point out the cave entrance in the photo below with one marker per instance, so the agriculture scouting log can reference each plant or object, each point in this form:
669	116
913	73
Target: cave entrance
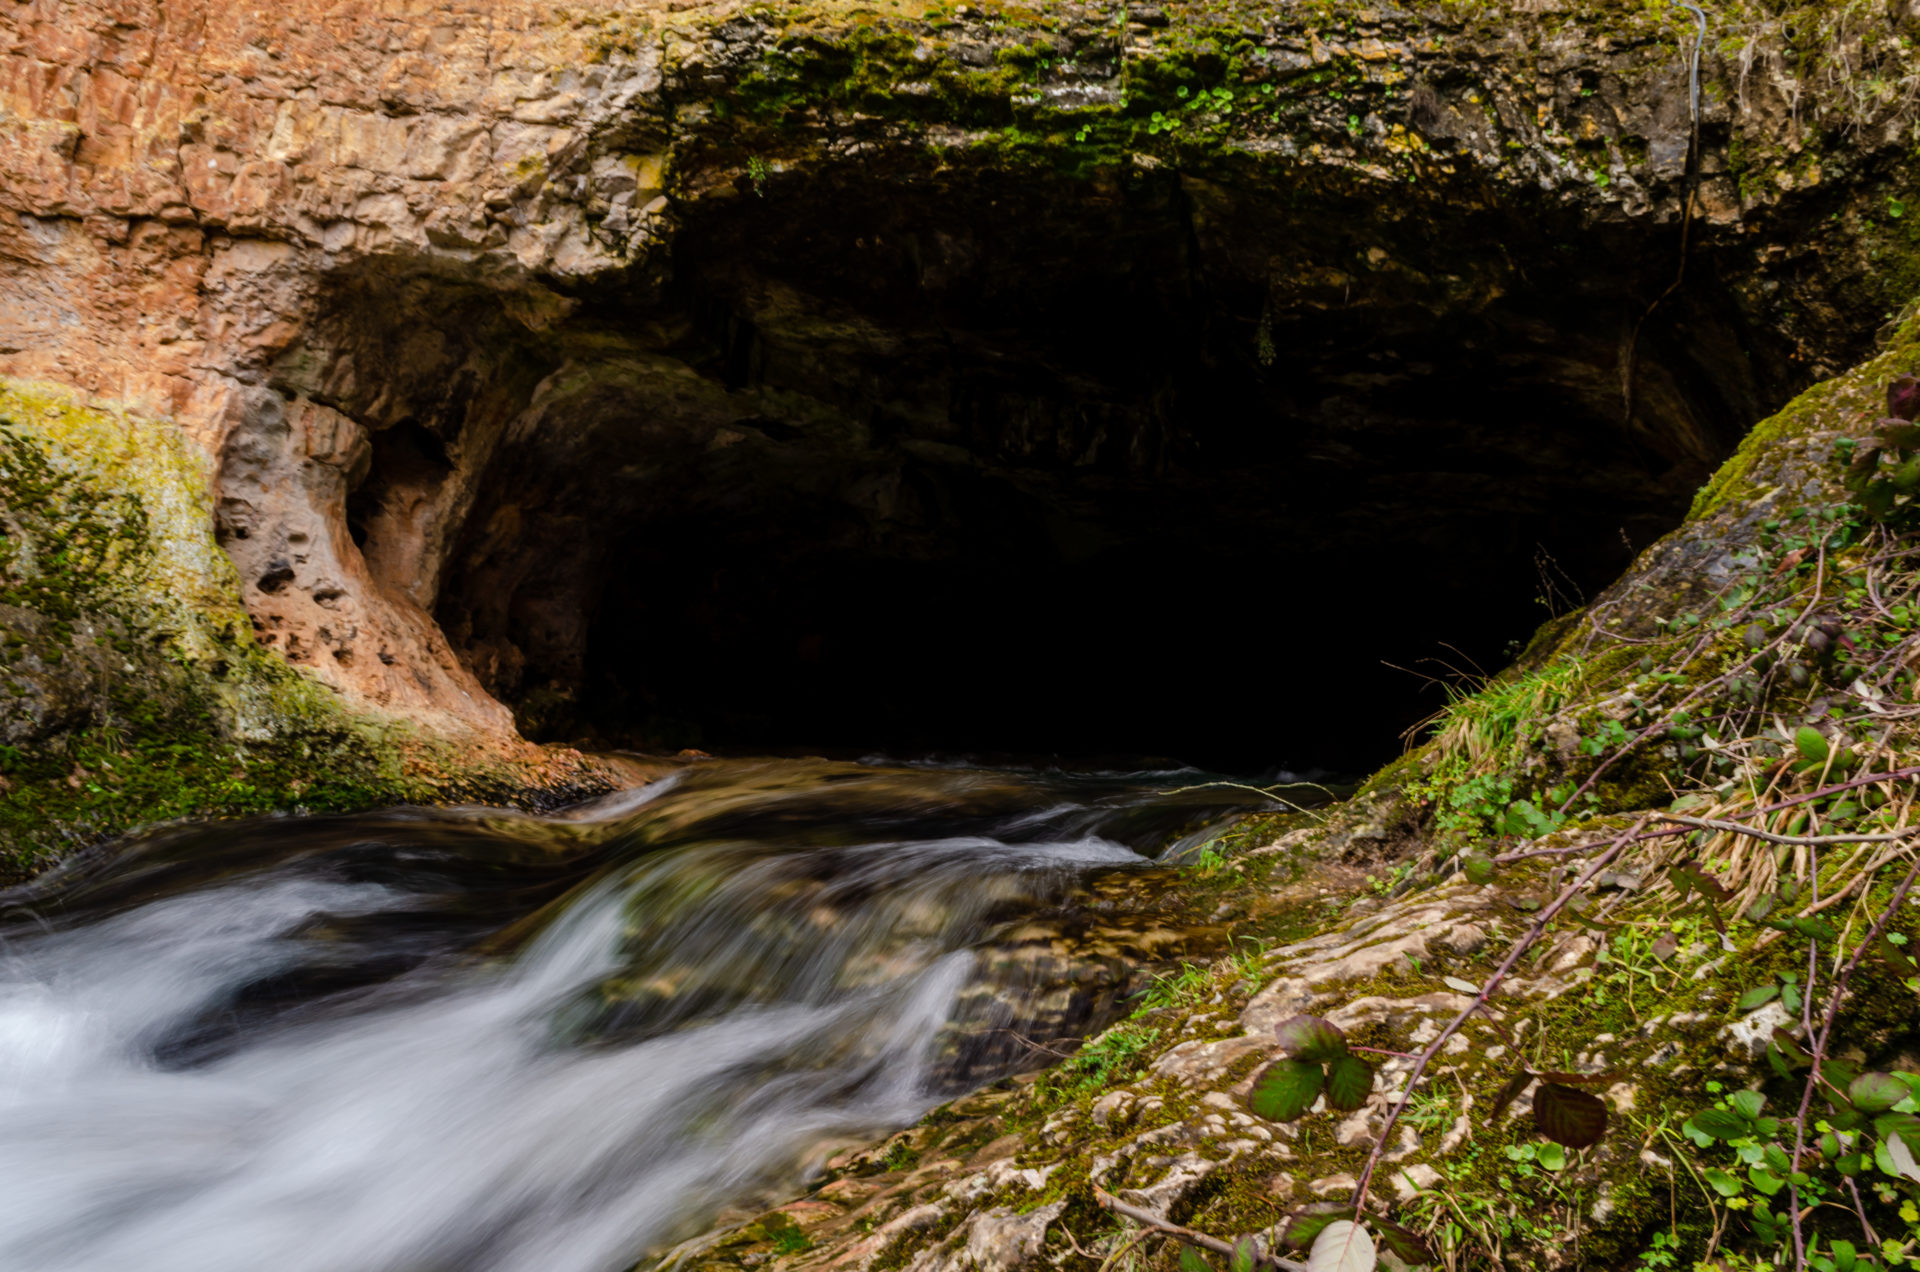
990	469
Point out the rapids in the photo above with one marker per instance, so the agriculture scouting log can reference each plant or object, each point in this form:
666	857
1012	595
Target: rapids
484	1041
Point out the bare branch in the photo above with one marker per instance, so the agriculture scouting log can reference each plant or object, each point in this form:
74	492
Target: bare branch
1162	1224
1755	832
1524	944
1837	996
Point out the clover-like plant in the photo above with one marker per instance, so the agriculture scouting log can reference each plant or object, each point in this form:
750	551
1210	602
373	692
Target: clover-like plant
1872	1121
1317	1062
1883	473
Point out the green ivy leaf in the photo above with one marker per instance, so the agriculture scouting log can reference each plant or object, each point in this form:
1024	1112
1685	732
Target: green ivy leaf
1758	996
1349	1083
1765	1180
1817	928
1720	1124
1876	1092
1303	1228
1896	958
1790	1047
1747	1103
1812	745
1285	1090
1884	1159
1310	1038
1902	1125
1837	1076
1721	1182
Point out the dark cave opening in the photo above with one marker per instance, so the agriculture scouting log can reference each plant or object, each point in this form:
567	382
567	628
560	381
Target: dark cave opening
1242	609
1001	473
1239	662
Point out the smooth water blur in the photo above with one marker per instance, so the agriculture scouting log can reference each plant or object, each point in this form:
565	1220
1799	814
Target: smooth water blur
477	1040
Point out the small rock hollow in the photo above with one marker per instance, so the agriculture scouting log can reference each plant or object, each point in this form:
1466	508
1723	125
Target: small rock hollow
1148	468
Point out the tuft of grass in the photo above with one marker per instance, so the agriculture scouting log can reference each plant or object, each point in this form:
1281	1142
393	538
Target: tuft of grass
1480	733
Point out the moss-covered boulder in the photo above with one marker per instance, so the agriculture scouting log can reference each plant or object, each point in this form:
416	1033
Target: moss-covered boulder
132	688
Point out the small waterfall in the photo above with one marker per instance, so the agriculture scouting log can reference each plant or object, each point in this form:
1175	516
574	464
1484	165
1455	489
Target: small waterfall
482	1041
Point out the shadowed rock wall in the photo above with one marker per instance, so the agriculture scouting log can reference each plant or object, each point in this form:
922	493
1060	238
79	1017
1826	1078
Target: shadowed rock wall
633	367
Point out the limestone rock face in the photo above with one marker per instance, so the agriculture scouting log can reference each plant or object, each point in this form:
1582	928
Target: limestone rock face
179	181
476	308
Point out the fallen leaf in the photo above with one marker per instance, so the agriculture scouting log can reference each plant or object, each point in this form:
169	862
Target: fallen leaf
1569	1116
1342	1246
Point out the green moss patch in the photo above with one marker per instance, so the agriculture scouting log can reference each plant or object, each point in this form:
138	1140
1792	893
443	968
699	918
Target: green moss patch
131	688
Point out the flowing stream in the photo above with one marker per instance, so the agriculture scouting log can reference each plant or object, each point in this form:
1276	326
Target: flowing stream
474	1040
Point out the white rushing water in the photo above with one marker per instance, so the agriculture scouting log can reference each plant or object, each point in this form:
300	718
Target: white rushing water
689	1023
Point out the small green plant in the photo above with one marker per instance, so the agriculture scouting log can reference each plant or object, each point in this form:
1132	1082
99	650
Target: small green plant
1549	1155
1317	1063
1114	1052
1244	959
1661	1252
788	1237
1387	884
1883	470
1430	1112
1479	741
1187	985
1212	858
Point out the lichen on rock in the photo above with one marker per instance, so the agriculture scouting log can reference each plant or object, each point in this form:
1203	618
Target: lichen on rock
132	688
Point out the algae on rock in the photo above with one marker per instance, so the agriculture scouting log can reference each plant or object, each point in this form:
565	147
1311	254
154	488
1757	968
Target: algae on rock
132	689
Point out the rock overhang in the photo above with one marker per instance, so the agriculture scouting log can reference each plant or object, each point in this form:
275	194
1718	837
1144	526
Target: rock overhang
1309	296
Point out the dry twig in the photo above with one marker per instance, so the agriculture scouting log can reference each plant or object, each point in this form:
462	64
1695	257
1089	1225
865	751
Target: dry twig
1160	1223
1525	943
